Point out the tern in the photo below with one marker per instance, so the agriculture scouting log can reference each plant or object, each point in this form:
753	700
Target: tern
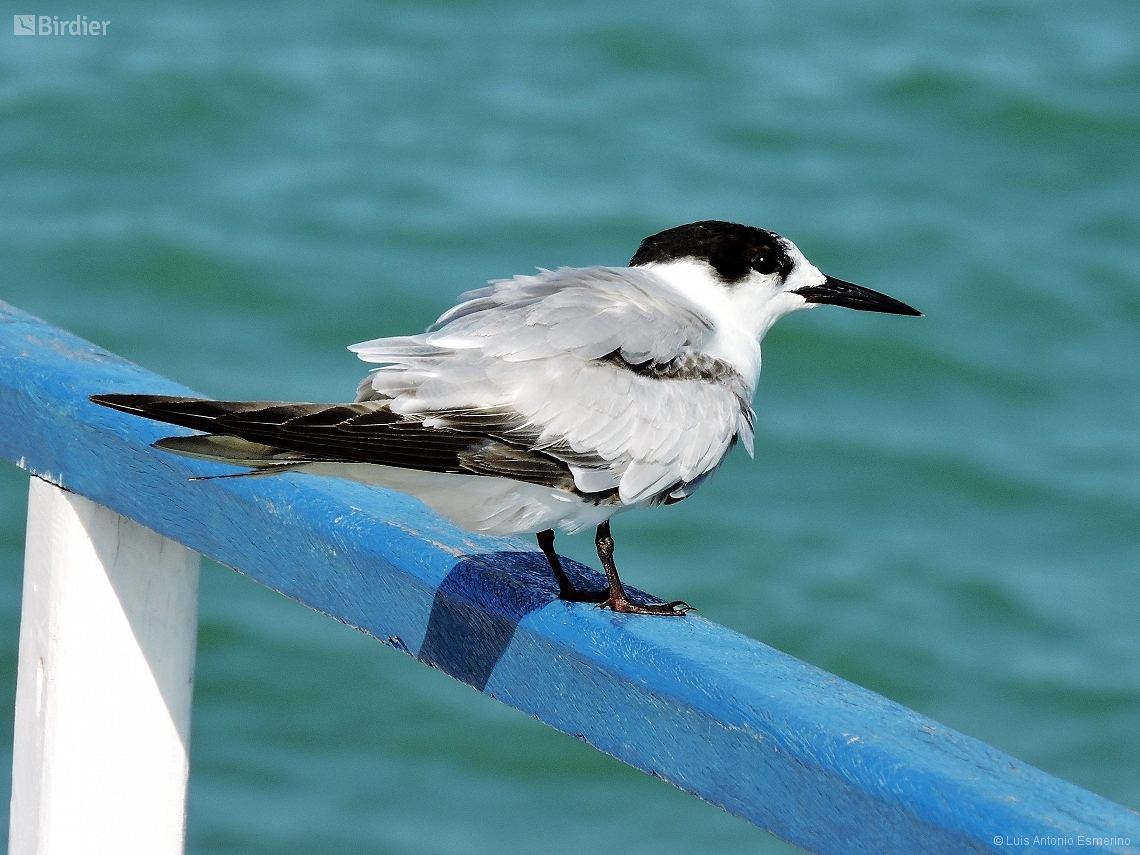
550	401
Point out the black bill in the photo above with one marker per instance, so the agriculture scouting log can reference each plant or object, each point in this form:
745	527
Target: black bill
836	292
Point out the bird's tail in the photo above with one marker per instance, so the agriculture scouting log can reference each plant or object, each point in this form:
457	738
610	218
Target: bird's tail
203	414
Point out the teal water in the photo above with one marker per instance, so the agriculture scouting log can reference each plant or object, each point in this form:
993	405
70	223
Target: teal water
945	510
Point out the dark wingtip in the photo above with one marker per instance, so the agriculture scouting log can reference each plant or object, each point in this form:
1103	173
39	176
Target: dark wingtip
124	403
137	405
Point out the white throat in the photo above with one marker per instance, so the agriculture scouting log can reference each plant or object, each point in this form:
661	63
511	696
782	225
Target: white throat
742	313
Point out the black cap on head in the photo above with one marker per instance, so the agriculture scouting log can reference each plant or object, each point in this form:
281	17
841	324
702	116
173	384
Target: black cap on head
731	249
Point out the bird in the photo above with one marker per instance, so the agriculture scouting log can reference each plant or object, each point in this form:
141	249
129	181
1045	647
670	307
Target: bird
547	401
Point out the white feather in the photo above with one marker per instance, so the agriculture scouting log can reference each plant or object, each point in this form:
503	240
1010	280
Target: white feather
478	503
545	348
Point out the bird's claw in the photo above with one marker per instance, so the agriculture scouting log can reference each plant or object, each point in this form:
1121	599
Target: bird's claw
677	608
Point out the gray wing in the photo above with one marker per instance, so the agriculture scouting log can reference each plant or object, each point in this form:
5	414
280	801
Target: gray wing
590	312
600	367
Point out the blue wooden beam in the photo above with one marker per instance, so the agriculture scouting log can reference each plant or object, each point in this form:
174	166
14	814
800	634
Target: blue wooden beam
812	758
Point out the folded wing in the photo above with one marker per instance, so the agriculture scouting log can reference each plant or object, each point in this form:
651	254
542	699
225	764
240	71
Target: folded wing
262	434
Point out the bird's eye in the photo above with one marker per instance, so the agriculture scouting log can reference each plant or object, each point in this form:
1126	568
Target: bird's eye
766	263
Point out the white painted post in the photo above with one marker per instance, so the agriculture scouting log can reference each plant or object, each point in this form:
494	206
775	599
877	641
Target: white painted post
107	639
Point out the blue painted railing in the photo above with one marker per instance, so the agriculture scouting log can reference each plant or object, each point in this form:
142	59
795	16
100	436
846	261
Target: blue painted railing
818	761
